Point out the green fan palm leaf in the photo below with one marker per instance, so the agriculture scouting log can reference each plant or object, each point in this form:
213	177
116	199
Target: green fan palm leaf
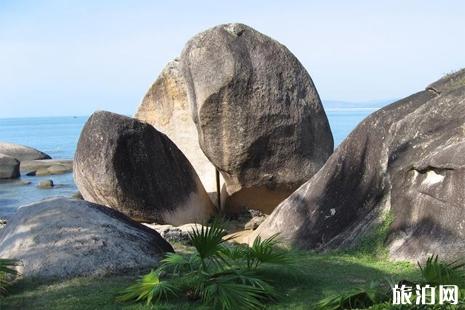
148	288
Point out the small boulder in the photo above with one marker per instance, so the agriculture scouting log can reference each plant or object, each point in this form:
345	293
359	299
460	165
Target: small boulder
46	184
63	238
21	152
128	165
9	167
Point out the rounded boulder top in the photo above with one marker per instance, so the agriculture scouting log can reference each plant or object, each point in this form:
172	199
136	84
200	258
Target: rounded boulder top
128	165
258	114
21	152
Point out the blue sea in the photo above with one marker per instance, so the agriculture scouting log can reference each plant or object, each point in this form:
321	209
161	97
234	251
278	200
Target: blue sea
58	136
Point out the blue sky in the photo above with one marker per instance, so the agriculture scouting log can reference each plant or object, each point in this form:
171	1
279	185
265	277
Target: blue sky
74	57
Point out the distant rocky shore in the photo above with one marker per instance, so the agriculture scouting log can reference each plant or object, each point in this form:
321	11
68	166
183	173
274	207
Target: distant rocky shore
18	159
234	128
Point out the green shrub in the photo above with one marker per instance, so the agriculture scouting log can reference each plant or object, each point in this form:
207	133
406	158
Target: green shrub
149	288
220	275
435	272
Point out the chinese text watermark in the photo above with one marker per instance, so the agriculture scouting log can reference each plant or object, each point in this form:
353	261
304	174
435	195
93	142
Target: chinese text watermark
425	295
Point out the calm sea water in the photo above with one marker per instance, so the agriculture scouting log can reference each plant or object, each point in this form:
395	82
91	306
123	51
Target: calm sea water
58	136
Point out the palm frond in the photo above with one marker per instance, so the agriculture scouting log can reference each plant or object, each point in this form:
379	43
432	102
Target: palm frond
358	298
208	243
234	289
7	273
436	272
237	253
267	252
175	263
148	288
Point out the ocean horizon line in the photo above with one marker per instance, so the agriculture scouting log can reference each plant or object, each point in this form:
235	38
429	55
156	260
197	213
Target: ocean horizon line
82	116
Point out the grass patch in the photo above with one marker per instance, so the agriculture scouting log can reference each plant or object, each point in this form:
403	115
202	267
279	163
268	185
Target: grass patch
372	244
319	275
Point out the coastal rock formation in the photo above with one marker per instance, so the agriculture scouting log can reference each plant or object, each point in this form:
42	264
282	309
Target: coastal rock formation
259	117
9	167
166	107
21	152
128	165
63	238
406	160
46	167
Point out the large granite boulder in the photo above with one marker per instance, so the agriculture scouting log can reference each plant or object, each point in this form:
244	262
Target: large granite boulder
128	165
259	117
64	238
21	152
406	159
9	167
166	107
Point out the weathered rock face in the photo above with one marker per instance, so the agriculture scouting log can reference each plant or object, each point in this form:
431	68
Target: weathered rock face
166	107
407	159
259	117
64	238
21	152
9	167
128	165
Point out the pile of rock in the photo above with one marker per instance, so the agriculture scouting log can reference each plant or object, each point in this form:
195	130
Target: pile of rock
46	167
18	159
238	101
406	160
219	107
264	130
11	155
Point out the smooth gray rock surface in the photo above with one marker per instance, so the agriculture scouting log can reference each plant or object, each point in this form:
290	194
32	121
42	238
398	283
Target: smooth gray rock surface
128	165
21	152
407	159
259	118
64	238
9	167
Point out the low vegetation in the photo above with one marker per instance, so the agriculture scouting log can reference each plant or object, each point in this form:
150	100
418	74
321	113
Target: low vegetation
214	273
378	295
7	274
319	276
217	274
